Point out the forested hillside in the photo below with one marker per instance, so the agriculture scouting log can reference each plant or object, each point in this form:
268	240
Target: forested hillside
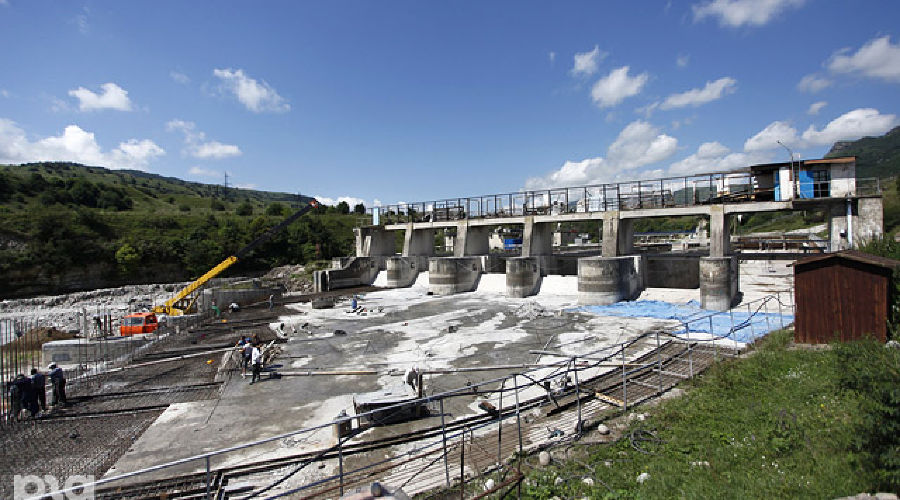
66	227
875	156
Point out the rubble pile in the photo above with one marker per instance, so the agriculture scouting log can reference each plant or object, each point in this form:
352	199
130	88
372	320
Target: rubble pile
293	278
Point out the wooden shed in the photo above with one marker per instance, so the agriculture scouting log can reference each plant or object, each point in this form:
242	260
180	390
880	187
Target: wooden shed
844	295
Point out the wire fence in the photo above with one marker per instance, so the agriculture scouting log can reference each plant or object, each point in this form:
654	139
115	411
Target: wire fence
452	453
88	351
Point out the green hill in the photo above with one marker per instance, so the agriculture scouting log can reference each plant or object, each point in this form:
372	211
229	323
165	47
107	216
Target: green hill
66	227
875	156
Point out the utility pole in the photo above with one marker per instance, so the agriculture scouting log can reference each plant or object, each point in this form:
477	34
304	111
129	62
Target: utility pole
225	189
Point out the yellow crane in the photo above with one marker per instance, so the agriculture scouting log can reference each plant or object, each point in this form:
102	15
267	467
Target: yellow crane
184	300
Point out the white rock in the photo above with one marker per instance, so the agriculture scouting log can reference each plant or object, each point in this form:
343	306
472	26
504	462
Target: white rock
643	477
489	484
603	429
544	458
588	481
558	481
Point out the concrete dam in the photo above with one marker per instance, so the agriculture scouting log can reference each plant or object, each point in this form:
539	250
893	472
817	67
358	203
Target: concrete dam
615	271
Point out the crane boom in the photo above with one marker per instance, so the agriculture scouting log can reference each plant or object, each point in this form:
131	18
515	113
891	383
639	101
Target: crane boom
171	306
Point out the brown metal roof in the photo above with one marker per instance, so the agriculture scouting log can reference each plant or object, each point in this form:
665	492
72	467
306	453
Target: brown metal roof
854	255
765	166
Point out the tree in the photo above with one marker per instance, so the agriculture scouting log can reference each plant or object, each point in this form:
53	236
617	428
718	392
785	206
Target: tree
244	209
127	258
216	205
359	209
275	209
343	208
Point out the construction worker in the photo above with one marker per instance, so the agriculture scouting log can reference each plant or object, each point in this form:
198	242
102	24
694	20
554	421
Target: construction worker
271	301
58	380
234	307
215	309
15	397
39	381
256	361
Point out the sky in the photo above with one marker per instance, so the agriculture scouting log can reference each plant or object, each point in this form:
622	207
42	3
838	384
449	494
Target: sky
403	101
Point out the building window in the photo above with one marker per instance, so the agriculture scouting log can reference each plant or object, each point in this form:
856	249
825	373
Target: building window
821	183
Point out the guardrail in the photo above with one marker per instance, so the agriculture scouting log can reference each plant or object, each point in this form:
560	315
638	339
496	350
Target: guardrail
668	192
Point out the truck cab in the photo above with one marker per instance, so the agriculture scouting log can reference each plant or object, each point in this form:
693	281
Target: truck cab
137	323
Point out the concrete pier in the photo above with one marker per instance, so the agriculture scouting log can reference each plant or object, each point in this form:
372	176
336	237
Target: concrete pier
355	271
449	275
718	282
523	276
607	280
403	271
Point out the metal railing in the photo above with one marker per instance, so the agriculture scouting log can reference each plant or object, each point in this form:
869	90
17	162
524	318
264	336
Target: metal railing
553	381
670	192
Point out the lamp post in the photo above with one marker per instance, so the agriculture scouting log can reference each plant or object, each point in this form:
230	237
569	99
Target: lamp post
796	193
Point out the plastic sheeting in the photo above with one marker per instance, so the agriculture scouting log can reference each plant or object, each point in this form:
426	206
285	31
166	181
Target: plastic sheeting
739	324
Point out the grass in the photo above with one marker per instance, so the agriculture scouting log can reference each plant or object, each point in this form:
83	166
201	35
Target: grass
781	423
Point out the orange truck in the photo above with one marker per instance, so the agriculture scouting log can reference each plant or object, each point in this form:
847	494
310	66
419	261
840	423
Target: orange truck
138	323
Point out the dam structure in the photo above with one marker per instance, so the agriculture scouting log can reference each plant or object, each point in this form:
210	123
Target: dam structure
401	238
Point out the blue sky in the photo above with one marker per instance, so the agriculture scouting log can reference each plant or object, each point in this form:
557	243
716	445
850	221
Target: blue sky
412	101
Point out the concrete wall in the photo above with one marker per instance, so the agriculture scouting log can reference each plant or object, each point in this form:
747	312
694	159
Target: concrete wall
523	276
672	272
403	271
81	351
607	280
471	240
243	297
358	271
718	282
837	227
537	239
843	179
449	275
374	241
869	222
418	242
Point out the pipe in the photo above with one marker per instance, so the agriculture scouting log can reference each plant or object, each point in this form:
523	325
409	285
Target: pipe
850	222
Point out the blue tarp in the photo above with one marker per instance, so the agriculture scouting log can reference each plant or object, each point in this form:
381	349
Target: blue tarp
747	326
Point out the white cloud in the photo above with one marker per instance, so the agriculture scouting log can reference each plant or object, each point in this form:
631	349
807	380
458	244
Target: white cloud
552	56
815	107
351	200
111	97
76	145
682	60
179	77
616	87
204	172
696	97
852	125
196	144
4	93
767	138
876	59
4	2
255	95
587	63
737	13
637	145
715	157
813	83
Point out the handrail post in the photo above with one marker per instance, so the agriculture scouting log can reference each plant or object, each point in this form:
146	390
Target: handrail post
207	479
577	393
500	426
444	438
659	363
624	382
341	463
